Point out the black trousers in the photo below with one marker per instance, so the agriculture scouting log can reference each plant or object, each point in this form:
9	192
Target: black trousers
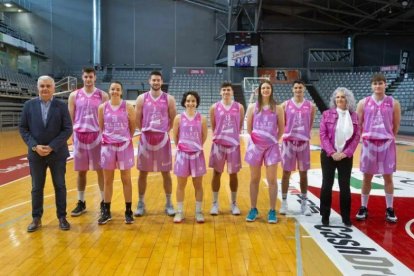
57	168
344	167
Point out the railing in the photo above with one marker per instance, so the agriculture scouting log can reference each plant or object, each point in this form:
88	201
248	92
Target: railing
7	27
65	86
9	120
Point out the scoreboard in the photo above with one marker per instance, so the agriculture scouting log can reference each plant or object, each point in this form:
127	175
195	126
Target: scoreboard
248	38
242	49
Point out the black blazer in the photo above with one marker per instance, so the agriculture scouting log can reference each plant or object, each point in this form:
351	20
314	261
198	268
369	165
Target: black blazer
57	131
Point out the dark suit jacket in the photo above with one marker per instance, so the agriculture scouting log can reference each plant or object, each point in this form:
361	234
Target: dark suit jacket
56	132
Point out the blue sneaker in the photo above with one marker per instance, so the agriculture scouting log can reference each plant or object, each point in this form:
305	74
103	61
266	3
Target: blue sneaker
271	216
252	215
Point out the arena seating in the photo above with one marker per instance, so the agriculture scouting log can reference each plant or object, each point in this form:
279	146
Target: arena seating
283	92
15	84
15	88
9	114
404	92
359	84
78	74
207	85
130	75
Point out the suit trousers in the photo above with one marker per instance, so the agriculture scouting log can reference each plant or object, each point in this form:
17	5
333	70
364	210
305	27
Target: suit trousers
329	167
38	168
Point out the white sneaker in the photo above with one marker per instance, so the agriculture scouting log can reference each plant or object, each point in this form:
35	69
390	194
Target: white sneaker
284	208
199	217
140	210
304	208
214	209
235	211
169	210
179	217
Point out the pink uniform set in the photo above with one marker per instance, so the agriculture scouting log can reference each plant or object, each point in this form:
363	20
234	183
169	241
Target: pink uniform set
117	149
189	160
263	146
86	136
378	141
154	148
295	145
226	140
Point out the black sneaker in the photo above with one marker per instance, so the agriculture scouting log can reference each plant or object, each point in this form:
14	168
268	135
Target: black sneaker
129	217
362	213
105	217
101	207
79	209
390	215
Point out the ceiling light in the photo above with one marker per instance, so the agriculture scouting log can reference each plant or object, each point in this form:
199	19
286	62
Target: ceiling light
8	5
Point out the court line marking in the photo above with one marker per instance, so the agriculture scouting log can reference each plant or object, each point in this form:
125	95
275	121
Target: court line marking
133	178
299	265
70	190
408	228
15	180
53	194
46	196
404	143
345	266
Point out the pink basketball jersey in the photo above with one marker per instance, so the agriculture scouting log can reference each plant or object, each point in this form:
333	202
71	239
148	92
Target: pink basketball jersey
86	110
297	121
227	129
190	134
265	127
155	117
378	119
116	125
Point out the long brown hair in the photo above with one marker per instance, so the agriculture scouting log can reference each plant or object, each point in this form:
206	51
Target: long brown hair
272	101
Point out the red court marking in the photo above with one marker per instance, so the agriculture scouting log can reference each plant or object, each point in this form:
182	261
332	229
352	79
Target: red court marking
392	237
13	168
17	167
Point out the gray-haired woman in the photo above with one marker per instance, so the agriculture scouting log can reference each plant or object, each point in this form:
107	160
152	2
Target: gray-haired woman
339	133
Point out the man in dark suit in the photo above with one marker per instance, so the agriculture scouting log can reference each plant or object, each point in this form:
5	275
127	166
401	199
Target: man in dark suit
45	127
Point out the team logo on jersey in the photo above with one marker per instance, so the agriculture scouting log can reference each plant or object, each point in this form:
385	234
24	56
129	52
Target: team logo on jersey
403	182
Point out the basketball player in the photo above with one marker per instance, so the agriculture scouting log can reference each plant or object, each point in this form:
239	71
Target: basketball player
83	108
190	133
226	117
265	123
117	123
379	117
299	115
155	111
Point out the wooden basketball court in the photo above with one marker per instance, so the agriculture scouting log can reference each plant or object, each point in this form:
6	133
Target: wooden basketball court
153	245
